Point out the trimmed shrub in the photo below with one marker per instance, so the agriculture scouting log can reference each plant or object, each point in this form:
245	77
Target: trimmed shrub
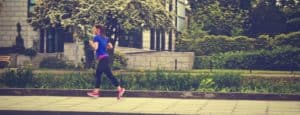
211	44
281	58
120	61
160	80
292	39
3	64
78	81
30	52
21	77
53	63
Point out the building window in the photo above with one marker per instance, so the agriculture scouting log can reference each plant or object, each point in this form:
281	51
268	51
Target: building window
52	40
133	39
171	5
31	5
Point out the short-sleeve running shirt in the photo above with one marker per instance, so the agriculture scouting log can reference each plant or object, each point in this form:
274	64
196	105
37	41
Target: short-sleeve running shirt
102	43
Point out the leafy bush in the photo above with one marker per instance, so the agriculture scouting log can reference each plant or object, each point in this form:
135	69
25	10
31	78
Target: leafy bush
281	58
30	52
79	81
292	39
21	77
53	63
120	61
211	44
3	64
160	80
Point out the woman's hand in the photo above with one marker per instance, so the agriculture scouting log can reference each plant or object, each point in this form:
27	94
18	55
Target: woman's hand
109	46
93	44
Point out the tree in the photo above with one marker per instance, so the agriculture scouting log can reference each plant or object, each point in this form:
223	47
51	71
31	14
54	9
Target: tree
291	9
219	17
51	13
189	35
266	18
118	16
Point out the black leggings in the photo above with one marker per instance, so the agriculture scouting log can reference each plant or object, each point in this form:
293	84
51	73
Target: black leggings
104	67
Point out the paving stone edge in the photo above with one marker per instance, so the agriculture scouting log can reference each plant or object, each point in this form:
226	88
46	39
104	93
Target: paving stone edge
150	94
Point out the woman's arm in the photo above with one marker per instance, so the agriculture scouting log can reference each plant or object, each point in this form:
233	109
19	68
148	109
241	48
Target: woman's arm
94	44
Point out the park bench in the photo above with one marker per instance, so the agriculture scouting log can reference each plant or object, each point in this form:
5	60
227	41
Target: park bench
5	59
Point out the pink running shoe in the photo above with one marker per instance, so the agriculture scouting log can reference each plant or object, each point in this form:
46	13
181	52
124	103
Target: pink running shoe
93	94
120	93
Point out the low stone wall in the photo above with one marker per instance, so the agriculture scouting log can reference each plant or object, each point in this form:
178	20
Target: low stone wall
160	60
73	52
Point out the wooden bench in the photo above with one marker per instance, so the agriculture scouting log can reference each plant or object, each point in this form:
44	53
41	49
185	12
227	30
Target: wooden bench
5	59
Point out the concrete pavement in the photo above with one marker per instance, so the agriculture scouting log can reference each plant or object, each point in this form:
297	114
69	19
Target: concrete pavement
131	105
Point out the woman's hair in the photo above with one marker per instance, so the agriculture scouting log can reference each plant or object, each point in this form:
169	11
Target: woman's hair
101	28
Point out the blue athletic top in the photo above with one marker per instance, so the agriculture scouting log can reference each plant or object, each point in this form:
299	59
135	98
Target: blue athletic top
102	43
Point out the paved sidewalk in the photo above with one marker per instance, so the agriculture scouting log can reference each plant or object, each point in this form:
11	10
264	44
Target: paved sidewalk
148	105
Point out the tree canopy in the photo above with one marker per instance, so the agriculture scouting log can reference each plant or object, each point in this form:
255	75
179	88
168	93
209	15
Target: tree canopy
118	16
219	17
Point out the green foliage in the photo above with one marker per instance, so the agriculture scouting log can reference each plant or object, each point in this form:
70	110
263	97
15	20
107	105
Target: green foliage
120	61
266	18
3	64
49	13
53	63
78	81
211	44
30	52
280	58
220	20
188	36
265	85
21	77
160	80
292	39
117	15
207	85
89	61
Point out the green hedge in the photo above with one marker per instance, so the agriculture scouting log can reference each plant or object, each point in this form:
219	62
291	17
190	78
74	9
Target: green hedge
53	63
158	80
292	39
214	44
280	58
120	61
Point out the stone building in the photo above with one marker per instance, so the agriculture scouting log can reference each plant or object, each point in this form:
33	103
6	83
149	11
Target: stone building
60	42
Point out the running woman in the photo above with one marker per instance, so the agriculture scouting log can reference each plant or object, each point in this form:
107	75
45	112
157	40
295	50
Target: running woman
100	44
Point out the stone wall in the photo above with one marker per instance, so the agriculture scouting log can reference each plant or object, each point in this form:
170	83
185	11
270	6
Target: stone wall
160	60
73	52
13	12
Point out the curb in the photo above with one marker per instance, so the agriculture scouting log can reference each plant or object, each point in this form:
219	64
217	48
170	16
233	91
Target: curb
149	94
28	112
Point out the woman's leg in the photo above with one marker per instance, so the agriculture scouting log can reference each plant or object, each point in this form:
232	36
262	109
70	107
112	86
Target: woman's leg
108	72
98	76
113	79
95	92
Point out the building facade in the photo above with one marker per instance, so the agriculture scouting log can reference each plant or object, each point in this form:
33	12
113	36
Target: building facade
59	41
160	40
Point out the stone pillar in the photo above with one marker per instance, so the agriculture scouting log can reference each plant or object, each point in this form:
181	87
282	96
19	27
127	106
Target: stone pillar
146	40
